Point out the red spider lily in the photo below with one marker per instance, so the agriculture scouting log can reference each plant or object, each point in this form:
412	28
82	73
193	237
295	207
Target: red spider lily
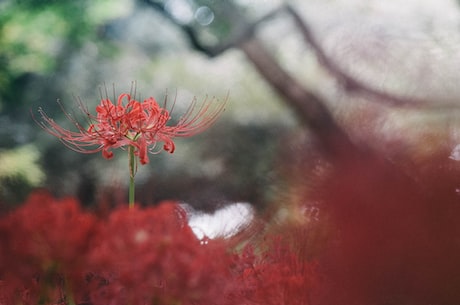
275	276
42	249
130	123
151	256
53	253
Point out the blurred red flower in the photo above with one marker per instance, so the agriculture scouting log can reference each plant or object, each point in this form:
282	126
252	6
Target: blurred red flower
43	244
53	253
151	256
393	238
132	123
274	274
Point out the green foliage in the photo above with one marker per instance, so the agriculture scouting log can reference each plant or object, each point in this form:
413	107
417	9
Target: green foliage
37	36
19	173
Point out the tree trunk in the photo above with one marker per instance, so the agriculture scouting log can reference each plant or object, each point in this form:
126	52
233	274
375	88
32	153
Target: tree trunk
310	109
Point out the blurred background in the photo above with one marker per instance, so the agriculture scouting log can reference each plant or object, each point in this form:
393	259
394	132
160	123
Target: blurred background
383	74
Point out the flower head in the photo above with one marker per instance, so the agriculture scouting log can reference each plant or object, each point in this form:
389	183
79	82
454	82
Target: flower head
131	123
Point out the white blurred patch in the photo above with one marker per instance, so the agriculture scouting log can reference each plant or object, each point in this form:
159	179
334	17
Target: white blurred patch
455	154
180	10
224	222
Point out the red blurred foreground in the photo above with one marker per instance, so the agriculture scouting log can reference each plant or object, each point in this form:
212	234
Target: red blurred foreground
383	237
52	252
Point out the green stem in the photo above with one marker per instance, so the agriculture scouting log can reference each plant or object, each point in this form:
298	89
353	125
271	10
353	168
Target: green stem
132	173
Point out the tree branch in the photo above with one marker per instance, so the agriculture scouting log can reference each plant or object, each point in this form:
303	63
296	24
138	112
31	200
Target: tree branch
309	107
246	32
348	83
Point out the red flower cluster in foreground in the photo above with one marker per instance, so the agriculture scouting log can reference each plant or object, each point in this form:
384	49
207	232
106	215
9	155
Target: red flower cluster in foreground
43	244
276	276
380	247
154	256
132	124
52	252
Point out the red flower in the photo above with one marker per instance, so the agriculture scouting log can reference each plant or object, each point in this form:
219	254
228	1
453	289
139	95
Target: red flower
151	256
42	245
132	123
276	276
